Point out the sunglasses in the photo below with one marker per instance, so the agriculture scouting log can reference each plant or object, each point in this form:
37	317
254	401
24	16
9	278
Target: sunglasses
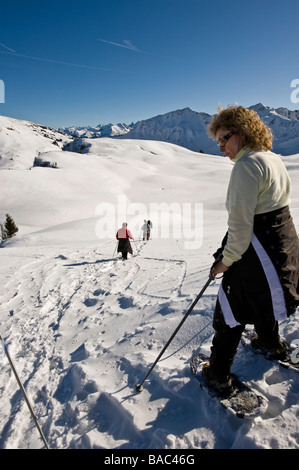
222	140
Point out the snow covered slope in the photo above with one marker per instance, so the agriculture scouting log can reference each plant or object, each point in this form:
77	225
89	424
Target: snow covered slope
83	327
22	141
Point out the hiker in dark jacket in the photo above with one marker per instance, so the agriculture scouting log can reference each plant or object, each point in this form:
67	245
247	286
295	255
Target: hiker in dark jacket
260	252
123	236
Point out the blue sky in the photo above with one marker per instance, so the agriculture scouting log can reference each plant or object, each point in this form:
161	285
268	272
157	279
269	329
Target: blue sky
87	62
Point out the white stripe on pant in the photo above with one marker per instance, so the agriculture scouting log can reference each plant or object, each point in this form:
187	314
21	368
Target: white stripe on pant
278	300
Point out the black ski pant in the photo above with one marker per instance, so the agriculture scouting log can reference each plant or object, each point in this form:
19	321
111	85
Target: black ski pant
226	340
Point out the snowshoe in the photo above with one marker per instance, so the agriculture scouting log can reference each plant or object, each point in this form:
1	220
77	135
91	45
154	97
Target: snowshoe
236	396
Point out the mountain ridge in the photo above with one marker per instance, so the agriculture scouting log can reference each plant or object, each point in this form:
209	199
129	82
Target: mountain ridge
187	128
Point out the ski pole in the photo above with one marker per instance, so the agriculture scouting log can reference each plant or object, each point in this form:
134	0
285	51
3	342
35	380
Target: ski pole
138	387
23	392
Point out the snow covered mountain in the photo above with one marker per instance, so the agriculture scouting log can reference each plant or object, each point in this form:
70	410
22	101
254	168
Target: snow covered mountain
102	130
187	128
183	127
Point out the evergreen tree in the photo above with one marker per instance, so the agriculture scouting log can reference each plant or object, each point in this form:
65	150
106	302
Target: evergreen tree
10	227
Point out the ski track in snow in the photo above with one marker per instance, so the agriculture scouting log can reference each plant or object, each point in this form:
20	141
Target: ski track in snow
71	307
92	294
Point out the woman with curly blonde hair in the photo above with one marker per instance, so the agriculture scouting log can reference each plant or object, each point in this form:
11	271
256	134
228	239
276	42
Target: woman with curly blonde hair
256	135
259	256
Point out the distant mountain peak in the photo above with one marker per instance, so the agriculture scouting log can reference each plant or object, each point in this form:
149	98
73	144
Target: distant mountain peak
188	128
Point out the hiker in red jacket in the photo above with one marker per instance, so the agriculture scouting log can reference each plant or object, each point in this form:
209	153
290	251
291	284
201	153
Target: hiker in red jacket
123	236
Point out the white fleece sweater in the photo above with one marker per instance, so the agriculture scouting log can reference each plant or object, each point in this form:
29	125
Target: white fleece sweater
259	183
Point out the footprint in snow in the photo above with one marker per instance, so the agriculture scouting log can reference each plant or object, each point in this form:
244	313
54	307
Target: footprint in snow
90	302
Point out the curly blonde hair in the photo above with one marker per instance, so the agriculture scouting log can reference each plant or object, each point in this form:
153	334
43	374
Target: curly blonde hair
246	121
